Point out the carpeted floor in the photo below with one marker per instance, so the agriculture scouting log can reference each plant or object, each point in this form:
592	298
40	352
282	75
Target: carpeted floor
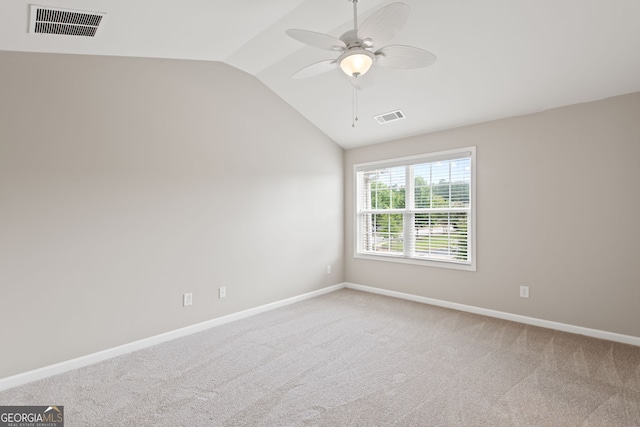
350	358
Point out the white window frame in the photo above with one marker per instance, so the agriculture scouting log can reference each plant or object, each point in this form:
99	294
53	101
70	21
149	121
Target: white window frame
470	263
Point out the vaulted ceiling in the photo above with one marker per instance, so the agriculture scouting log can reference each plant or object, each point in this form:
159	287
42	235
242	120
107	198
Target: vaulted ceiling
496	58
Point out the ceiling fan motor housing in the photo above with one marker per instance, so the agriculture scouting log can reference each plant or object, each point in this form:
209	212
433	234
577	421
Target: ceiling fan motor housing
355	60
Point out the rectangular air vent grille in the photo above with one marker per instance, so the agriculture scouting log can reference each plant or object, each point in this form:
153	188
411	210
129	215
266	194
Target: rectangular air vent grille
389	117
47	20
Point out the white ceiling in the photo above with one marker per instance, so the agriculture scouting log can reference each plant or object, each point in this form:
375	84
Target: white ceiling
496	58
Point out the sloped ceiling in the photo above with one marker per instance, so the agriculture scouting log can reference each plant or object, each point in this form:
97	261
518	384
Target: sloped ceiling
496	58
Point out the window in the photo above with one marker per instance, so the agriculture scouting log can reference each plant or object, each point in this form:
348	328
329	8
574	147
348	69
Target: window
418	209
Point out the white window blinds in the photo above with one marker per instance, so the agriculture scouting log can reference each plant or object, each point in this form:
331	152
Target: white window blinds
418	208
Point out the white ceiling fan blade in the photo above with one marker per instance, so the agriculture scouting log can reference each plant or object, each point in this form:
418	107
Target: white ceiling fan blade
397	56
383	25
319	40
315	69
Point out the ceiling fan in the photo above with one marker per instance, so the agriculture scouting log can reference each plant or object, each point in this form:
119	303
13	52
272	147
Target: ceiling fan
359	48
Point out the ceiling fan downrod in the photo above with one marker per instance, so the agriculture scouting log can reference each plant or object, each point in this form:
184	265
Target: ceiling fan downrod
355	15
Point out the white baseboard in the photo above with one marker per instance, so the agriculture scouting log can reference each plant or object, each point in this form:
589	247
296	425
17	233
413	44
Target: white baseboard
58	368
90	359
595	333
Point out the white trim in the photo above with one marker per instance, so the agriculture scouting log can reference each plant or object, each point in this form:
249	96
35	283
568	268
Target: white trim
90	359
445	263
580	330
471	230
418	158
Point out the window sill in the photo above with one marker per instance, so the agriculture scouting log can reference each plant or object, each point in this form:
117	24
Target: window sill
425	263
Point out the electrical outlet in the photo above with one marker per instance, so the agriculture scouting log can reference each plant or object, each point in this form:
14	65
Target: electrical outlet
187	299
222	292
524	292
328	269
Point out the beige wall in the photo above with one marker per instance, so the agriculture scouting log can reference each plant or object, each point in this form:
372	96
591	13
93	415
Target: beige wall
558	209
125	183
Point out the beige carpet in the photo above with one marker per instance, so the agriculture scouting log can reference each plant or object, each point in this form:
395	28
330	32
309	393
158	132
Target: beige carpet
355	359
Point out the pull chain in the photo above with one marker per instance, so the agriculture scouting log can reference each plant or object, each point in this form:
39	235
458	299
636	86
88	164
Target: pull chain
354	108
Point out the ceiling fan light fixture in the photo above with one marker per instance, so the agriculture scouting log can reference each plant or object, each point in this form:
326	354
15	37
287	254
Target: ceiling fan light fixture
356	61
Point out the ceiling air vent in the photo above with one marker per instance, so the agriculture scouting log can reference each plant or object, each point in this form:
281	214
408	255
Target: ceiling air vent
48	20
389	117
